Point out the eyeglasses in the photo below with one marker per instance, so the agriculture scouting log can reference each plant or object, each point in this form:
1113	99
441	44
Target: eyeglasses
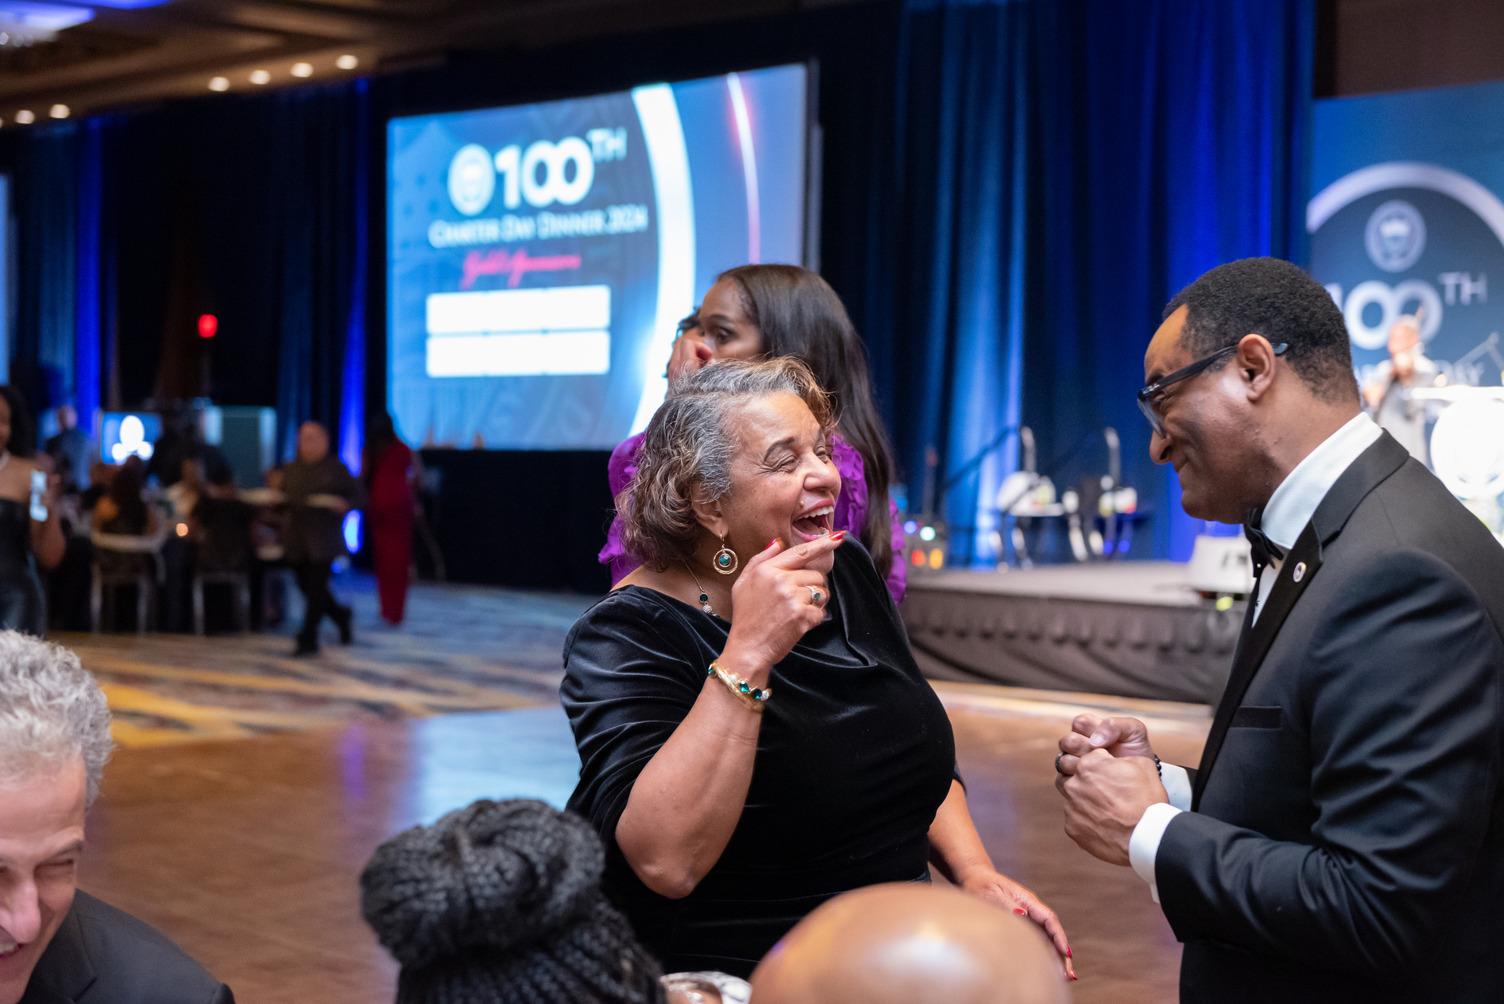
1150	392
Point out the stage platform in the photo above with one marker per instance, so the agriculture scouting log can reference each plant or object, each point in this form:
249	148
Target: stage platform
1133	629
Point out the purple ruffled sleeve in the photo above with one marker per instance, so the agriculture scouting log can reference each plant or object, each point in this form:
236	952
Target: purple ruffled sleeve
620	470
851	509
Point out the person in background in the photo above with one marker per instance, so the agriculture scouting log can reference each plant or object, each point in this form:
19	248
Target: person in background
763	311
390	470
220	526
59	945
71	449
25	542
100	474
180	438
184	494
903	943
502	901
320	490
1387	393
123	509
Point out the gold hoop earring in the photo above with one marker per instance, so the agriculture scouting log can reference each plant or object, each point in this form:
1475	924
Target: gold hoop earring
725	560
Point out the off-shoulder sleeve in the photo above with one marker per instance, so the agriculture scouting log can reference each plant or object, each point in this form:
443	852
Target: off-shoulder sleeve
632	671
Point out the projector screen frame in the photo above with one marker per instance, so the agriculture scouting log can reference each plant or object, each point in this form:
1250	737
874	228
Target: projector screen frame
810	189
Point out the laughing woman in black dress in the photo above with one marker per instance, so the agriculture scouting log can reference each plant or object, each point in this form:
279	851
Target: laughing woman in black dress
754	735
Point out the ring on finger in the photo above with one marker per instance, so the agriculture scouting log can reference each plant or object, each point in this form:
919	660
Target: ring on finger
815	596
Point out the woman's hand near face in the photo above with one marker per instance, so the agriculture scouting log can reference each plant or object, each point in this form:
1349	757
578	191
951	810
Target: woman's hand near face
690	355
772	606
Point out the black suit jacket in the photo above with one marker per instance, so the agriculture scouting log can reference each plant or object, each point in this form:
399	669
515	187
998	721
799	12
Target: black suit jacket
103	956
1347	841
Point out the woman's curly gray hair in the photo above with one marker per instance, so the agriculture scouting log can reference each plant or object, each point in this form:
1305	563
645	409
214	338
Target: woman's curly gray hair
687	451
51	709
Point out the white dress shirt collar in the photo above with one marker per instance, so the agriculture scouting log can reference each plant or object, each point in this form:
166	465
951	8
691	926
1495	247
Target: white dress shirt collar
1294	502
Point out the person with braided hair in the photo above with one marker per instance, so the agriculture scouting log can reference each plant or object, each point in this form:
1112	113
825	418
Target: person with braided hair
502	901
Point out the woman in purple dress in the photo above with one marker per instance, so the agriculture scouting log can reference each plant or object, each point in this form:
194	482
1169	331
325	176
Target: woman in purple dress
763	311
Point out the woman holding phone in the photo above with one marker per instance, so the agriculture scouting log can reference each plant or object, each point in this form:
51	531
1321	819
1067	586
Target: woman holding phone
29	530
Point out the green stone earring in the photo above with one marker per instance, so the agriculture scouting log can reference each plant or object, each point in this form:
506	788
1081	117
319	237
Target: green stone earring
725	560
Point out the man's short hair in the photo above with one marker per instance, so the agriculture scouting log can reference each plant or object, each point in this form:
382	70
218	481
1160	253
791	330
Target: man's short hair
51	710
1279	301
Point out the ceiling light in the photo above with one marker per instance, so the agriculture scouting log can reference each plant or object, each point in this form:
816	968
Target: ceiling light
302	69
347	62
25	117
58	111
219	84
259	77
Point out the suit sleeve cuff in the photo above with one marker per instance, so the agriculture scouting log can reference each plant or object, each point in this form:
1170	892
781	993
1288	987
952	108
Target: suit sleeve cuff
1143	845
1177	782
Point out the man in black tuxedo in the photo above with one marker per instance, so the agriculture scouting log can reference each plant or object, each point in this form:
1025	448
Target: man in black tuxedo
58	945
1343	837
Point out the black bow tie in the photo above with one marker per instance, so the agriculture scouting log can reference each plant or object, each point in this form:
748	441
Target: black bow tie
1264	549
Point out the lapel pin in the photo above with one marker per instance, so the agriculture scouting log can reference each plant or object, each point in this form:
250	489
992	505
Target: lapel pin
1300	571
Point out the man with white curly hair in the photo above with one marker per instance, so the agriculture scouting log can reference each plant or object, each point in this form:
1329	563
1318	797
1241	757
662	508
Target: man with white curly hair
59	945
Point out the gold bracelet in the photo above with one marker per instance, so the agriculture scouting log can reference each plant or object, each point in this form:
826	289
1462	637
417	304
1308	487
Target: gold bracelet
758	696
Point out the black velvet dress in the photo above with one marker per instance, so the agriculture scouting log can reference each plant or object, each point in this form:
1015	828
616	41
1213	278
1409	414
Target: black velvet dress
855	756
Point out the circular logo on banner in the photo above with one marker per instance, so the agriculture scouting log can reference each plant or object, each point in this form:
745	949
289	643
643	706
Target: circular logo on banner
472	179
1407	237
1396	236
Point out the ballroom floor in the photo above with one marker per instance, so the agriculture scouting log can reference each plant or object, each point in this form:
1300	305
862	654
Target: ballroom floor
250	788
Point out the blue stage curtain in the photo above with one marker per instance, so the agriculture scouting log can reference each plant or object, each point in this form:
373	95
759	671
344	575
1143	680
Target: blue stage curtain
255	208
1064	167
61	308
46	201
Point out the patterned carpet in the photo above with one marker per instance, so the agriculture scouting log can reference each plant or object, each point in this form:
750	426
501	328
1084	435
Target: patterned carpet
461	649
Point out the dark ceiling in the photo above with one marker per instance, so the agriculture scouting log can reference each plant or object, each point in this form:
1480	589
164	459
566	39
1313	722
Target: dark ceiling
130	51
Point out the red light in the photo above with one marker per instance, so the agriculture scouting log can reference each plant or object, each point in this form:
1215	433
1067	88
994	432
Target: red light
208	325
918	558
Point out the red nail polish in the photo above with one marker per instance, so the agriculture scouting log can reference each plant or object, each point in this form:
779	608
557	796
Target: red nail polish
772	543
1067	951
1020	911
838	536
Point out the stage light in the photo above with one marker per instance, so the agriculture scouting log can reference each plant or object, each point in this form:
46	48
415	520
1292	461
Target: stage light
918	558
182	529
351	530
926	533
219	83
58	111
937	559
25	117
347	62
302	69
259	77
910	527
208	325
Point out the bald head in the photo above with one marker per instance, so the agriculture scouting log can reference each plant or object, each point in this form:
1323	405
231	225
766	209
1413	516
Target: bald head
900	943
